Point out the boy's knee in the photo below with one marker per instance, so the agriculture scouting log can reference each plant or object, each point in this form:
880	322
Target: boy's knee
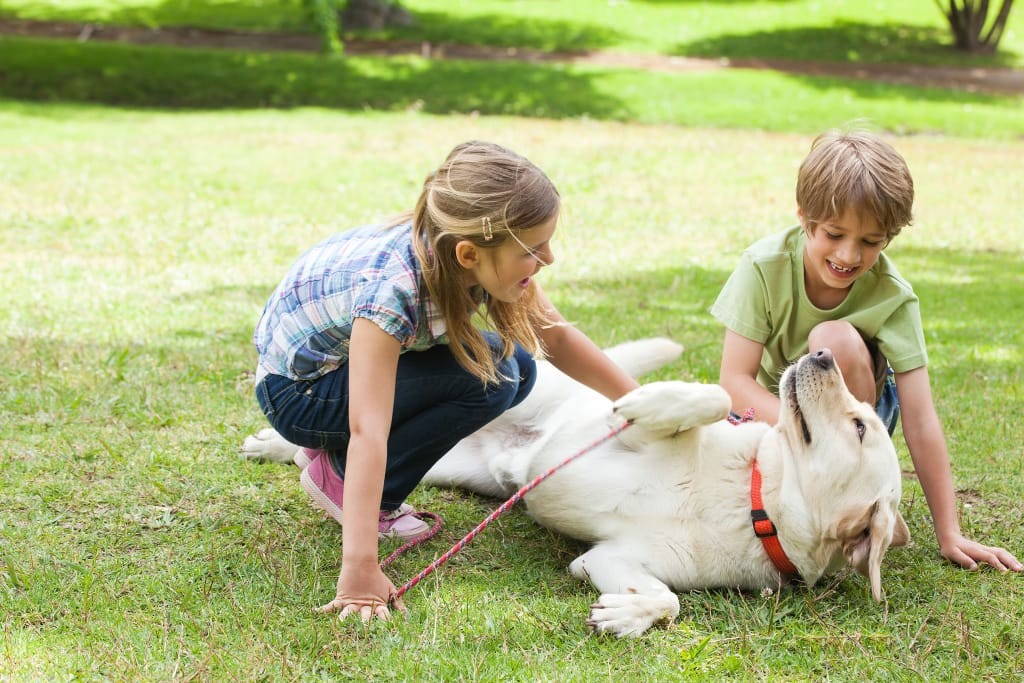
851	353
837	335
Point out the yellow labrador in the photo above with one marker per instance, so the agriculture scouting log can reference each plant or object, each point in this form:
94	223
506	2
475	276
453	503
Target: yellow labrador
669	503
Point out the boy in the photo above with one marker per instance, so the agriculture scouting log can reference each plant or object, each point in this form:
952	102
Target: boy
826	284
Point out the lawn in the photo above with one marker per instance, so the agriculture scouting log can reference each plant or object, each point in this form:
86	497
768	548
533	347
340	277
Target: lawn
138	248
151	198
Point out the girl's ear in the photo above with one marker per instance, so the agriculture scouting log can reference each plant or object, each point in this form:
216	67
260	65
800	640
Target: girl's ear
467	254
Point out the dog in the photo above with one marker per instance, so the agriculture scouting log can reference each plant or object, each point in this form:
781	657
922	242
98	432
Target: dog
683	498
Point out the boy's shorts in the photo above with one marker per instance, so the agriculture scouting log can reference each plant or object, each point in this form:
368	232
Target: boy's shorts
888	404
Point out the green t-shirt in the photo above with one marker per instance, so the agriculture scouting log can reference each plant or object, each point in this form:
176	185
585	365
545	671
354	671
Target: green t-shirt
765	301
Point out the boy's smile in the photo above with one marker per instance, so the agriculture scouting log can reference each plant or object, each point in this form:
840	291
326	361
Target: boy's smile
837	252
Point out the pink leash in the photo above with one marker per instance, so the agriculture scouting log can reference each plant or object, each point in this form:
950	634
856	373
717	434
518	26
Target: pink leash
502	509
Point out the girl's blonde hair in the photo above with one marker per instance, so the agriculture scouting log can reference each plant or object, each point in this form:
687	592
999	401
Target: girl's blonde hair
855	169
486	194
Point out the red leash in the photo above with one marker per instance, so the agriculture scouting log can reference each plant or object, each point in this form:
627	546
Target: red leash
502	509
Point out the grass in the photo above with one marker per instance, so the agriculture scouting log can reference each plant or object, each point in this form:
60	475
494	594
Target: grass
150	198
843	30
161	77
137	249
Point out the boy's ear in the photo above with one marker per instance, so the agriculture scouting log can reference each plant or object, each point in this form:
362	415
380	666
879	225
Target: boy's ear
467	254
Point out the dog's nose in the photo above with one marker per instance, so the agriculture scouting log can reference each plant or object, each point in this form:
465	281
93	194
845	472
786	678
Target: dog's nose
823	359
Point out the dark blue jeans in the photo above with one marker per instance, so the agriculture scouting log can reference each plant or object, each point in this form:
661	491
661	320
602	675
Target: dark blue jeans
888	404
437	404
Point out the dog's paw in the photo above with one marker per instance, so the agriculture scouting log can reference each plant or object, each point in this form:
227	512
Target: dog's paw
667	408
628	615
268	446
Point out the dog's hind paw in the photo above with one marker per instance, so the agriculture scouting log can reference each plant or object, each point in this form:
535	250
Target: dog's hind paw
268	446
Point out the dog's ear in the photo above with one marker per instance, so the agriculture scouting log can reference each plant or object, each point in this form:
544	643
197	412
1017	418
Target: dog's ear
900	533
866	535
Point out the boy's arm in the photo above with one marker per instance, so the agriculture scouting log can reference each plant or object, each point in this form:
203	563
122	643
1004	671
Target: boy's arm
927	445
741	359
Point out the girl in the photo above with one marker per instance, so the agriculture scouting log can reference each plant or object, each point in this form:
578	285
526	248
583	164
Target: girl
334	375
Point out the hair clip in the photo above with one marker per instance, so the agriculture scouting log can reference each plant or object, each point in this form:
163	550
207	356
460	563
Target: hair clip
485	222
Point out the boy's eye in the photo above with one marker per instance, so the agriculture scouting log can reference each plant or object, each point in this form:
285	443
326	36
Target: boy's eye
833	235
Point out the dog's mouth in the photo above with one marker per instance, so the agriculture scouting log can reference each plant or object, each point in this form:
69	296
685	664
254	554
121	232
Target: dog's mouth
794	404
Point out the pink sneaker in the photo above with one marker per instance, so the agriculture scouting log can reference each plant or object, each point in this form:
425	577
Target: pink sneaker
401	523
304	456
327	490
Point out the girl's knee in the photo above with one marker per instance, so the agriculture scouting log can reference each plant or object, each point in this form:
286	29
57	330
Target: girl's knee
520	374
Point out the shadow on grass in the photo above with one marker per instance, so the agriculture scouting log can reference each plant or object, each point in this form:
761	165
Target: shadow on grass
499	30
845	41
53	70
163	77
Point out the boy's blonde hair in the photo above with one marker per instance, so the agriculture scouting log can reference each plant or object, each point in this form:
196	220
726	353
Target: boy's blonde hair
855	169
478	181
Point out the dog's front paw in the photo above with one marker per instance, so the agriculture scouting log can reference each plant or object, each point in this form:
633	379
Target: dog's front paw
667	408
268	446
628	615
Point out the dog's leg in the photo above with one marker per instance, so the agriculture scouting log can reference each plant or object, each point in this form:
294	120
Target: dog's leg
268	446
644	355
632	600
667	408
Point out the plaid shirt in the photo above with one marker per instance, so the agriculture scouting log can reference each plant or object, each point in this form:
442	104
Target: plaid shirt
370	273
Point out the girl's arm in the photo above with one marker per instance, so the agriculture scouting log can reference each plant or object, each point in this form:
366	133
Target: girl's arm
741	359
576	355
373	365
927	445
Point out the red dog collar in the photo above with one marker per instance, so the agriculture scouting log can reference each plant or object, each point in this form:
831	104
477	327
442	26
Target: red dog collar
765	529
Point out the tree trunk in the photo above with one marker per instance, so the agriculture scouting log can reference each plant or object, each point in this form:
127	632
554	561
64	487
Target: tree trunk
968	19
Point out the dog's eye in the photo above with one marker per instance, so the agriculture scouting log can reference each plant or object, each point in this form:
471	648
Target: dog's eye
860	428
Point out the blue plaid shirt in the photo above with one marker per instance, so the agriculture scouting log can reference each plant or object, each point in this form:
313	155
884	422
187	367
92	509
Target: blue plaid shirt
368	272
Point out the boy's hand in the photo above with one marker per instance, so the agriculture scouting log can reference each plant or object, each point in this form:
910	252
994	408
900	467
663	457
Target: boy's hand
968	553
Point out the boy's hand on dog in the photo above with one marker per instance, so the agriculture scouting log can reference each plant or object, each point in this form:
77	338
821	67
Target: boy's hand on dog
366	592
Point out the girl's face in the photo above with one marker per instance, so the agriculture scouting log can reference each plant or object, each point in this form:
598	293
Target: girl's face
837	252
505	272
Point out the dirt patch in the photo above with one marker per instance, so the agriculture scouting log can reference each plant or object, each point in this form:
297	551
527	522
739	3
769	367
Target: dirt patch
990	80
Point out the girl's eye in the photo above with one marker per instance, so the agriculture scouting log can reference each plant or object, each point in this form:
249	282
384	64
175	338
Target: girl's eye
832	235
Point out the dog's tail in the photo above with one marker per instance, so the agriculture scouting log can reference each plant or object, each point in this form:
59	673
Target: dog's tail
644	355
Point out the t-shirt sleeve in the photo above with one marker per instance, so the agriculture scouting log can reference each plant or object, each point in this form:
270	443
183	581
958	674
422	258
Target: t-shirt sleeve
742	305
901	338
389	306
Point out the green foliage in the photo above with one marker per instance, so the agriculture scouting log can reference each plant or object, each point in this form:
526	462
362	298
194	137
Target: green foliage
324	15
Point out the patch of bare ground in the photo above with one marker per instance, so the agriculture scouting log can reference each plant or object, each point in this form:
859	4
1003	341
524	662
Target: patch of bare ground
989	80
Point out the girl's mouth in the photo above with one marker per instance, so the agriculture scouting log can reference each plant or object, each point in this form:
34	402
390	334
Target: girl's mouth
524	283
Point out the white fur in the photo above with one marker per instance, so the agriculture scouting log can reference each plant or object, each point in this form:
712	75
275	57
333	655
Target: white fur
666	504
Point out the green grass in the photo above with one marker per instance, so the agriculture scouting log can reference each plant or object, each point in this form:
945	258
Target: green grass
136	76
137	248
844	30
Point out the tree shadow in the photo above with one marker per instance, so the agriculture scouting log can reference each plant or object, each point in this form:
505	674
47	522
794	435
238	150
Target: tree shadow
156	76
842	41
499	30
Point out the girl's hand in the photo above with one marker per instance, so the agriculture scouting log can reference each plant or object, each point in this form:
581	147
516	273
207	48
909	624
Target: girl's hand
968	554
364	591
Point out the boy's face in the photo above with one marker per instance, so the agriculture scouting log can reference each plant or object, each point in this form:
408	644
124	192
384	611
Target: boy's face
837	252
